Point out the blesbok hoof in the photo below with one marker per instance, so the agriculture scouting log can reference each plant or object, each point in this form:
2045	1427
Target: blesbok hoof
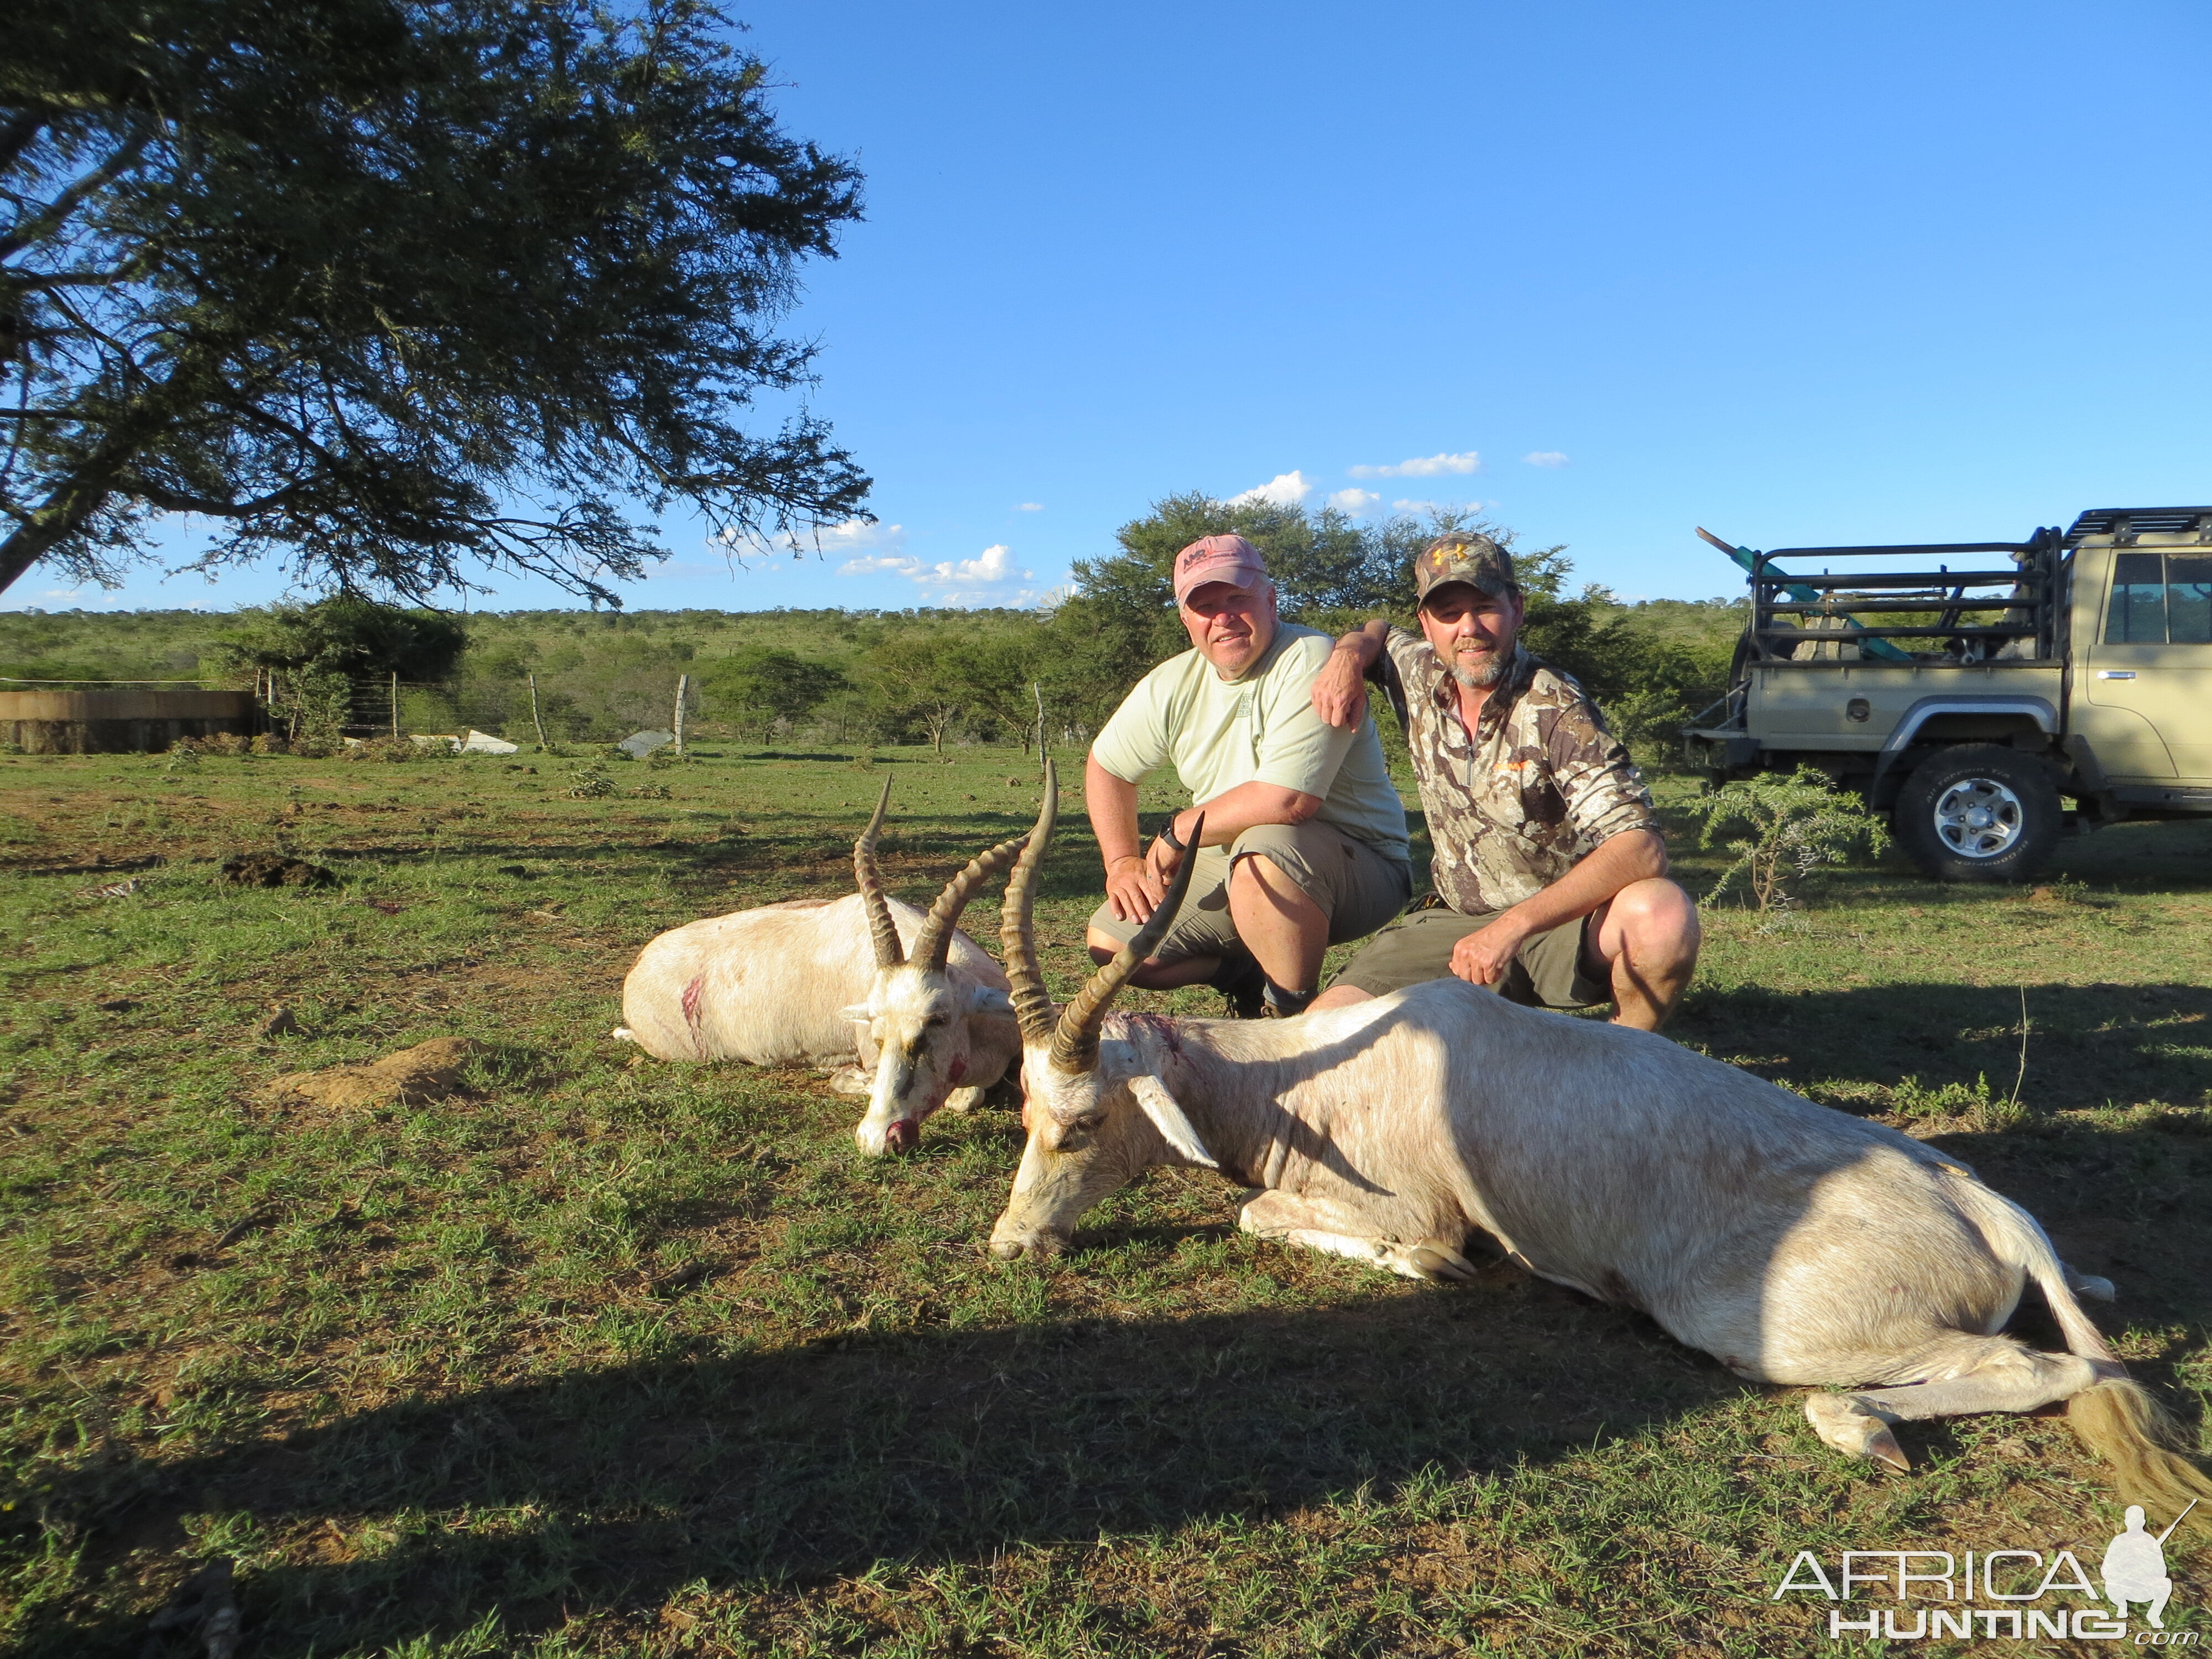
851	1080
1851	1428
902	1136
2096	1289
1439	1260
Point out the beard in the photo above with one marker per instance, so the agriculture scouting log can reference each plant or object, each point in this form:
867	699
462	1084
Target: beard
1485	675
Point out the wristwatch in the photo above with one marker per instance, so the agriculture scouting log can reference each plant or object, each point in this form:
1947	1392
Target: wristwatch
1168	834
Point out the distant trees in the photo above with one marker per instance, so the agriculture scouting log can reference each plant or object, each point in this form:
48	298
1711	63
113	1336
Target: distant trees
400	288
939	676
762	685
1329	572
346	635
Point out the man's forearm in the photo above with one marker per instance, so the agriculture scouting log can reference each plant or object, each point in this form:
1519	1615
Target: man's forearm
1366	641
1233	811
1111	802
1615	863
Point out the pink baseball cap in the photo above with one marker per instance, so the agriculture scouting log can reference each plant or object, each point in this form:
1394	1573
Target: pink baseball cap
1229	559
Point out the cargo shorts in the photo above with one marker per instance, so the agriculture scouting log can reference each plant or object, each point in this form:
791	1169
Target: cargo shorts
1357	887
1547	971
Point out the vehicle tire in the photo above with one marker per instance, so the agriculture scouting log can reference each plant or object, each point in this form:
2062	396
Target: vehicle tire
1980	811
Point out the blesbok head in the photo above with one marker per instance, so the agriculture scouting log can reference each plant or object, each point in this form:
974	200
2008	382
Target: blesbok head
920	1015
1095	1118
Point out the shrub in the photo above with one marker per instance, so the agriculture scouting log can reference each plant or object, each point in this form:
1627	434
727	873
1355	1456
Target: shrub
588	783
1792	826
1985	1110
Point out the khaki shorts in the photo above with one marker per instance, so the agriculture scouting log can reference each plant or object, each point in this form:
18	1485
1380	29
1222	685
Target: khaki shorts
1356	887
1547	971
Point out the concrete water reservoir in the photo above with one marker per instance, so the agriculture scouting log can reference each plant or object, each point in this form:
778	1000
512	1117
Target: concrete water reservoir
120	722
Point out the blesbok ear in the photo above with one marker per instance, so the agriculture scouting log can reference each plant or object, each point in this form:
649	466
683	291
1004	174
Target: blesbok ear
989	999
1166	1115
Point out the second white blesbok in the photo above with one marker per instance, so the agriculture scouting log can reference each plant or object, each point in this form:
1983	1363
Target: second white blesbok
918	1004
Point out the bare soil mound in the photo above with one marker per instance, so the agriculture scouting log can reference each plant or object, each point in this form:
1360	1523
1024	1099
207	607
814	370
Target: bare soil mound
430	1071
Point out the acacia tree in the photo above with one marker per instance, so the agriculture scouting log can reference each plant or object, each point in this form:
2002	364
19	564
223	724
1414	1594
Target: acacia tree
400	288
768	685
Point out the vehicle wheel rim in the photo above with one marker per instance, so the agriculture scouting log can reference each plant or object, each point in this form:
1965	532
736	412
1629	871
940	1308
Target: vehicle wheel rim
1980	818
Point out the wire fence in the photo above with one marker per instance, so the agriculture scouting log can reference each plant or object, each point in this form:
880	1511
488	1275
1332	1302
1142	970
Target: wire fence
307	705
300	703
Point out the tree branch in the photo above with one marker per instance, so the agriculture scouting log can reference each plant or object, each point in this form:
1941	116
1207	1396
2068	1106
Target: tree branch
15	137
56	213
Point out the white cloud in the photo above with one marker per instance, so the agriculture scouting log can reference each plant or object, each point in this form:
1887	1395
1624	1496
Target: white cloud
849	537
1423	466
1284	489
986	580
1354	502
1545	458
1029	506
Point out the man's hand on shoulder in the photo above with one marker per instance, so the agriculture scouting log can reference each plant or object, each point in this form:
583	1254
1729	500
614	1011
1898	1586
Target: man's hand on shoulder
1339	690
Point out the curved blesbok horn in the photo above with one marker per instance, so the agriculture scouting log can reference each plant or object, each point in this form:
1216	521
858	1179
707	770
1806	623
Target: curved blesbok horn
881	927
1016	939
934	942
1075	1044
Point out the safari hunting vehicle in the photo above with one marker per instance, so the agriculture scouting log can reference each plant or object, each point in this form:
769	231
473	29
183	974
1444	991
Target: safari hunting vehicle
1968	690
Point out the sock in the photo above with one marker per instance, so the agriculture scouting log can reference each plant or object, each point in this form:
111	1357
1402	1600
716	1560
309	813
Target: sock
1285	1004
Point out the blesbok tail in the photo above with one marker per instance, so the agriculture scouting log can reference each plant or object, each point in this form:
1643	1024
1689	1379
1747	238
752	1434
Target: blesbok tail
2115	1416
2118	1420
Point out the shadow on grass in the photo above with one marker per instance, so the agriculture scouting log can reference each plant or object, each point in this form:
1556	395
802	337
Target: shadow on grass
616	1488
2151	1039
2174	856
619	1487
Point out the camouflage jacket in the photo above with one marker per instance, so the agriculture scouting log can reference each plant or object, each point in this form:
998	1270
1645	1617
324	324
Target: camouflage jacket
1540	784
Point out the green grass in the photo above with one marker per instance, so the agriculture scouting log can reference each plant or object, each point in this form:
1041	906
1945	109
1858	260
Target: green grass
436	1398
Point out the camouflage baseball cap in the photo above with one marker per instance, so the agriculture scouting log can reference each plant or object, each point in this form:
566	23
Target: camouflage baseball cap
1464	557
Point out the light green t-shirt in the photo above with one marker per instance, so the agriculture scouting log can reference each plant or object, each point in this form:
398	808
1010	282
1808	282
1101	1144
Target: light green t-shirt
1220	733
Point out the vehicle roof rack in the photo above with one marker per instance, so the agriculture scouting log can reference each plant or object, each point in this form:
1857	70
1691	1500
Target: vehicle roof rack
2126	522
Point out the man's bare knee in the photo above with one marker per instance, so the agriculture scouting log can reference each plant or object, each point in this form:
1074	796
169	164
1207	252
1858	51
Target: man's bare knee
1661	923
1341	996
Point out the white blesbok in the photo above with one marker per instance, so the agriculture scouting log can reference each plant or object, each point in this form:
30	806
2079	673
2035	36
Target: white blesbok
921	1005
1793	1244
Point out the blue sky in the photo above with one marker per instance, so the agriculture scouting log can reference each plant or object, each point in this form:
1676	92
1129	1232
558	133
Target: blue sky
1801	274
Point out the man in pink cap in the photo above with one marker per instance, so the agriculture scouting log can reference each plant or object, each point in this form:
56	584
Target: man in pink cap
1304	843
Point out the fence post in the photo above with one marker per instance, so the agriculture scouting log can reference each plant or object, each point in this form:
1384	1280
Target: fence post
534	721
1039	695
682	685
395	705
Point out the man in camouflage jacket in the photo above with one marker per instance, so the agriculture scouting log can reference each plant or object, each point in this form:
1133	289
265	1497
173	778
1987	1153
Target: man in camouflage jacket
1549	868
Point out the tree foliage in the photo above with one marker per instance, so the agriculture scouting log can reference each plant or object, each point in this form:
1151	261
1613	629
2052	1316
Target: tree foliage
1331	572
400	288
763	685
939	678
346	635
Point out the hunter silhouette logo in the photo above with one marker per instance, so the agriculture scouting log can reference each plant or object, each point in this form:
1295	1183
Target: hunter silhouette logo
1997	1593
2135	1566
